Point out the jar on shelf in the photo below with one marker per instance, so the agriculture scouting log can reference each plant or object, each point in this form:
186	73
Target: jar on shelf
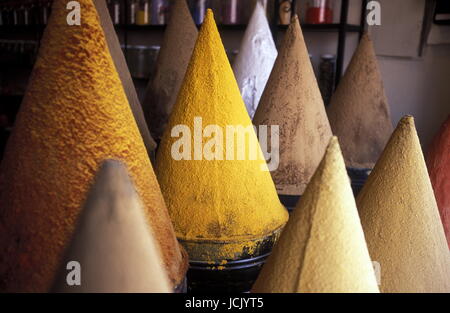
131	11
198	9
231	12
45	8
159	12
143	12
319	12
327	73
114	8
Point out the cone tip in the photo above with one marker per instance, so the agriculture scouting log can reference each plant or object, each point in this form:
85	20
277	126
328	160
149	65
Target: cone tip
333	145
407	120
209	16
111	163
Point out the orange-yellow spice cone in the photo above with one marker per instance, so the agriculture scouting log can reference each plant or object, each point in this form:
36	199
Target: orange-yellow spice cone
322	248
400	218
293	101
74	115
219	207
113	245
438	162
358	111
173	59
122	69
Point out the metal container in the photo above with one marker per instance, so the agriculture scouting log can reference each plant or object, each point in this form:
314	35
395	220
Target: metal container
235	275
141	60
358	177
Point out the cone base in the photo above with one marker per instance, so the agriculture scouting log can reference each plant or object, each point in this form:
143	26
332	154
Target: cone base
220	275
358	177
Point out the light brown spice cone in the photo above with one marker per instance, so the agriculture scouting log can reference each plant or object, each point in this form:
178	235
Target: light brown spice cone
113	244
122	69
293	101
359	113
322	247
400	218
74	115
171	65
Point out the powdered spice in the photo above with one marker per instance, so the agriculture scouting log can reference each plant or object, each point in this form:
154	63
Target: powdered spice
74	115
400	218
293	101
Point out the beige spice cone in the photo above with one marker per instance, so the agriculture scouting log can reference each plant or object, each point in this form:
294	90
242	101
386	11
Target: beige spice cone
322	248
113	245
400	218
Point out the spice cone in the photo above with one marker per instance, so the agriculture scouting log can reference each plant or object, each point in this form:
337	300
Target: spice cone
171	65
400	218
292	100
438	161
113	244
124	74
74	115
255	60
229	201
322	247
359	112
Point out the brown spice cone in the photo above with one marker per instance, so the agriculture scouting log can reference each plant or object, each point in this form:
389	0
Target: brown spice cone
359	112
171	65
293	101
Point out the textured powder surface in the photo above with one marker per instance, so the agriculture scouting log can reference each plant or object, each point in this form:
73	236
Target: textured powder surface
112	243
359	111
173	59
230	200
124	74
292	100
438	162
322	247
255	60
74	115
400	218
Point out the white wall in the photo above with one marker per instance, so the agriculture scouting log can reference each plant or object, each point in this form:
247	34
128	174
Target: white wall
419	87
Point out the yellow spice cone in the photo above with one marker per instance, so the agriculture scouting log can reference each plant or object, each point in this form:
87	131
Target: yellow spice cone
218	200
113	244
322	247
173	59
401	220
74	115
359	112
293	101
124	74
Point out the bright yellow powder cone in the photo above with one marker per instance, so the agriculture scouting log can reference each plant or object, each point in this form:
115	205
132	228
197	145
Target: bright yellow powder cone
322	247
292	100
401	220
229	202
359	112
113	244
74	115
